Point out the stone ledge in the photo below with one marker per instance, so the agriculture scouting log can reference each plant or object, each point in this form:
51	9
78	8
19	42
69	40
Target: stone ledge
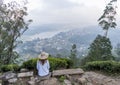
25	74
67	72
8	75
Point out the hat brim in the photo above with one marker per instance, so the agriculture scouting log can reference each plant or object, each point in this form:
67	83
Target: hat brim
43	58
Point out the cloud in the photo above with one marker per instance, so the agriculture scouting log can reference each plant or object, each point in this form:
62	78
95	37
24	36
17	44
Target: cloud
48	28
43	33
55	4
1	2
39	35
64	11
59	15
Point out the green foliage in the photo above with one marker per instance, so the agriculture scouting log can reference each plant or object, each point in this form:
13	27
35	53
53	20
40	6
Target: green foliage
73	55
118	49
30	64
107	20
117	52
105	66
69	62
99	50
62	78
12	26
10	67
55	63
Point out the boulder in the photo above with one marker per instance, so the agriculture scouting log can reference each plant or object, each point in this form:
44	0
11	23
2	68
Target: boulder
31	82
8	75
24	70
1	77
82	81
51	81
13	80
25	74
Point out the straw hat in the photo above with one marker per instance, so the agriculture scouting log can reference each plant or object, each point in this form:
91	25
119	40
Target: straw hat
43	55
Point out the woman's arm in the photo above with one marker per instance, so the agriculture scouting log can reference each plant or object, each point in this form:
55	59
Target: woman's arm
37	65
48	64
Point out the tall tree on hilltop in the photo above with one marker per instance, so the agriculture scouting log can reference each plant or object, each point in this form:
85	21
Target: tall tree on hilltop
99	50
12	26
73	55
117	51
107	20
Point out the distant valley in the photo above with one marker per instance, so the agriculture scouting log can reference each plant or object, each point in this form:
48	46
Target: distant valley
60	44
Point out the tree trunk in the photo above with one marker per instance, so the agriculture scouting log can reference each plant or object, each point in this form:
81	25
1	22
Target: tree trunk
106	33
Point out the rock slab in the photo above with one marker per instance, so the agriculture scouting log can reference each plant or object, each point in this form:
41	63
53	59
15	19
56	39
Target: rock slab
25	74
67	72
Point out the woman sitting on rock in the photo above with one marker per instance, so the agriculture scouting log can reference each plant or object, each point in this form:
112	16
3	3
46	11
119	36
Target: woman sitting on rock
43	66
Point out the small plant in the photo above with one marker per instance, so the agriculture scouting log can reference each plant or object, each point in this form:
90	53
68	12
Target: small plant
62	78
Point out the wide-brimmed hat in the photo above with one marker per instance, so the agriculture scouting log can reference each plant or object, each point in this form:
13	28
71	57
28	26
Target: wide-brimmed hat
43	56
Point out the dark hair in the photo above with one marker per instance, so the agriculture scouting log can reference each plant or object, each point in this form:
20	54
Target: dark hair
42	61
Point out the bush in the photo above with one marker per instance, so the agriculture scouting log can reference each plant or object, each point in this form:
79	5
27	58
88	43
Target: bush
10	67
30	64
55	63
105	66
69	62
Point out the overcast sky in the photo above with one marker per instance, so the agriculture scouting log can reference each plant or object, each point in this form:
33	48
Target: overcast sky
82	12
53	16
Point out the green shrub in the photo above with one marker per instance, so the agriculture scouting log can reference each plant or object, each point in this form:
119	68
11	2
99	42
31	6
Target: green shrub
69	62
55	63
10	67
105	66
59	63
30	64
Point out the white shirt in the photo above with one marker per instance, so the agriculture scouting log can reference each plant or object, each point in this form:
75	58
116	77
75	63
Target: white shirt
43	70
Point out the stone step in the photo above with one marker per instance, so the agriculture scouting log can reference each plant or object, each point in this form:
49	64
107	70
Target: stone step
67	72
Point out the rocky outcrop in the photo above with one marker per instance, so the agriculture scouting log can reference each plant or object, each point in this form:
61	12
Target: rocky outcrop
72	77
99	79
12	78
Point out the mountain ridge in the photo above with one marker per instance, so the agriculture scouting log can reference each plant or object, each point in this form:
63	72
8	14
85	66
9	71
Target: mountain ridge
61	43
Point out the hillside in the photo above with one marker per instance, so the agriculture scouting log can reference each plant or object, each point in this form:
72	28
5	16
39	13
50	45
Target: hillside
60	44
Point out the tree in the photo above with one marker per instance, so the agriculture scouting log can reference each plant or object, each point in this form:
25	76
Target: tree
107	20
117	51
73	55
99	50
12	26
